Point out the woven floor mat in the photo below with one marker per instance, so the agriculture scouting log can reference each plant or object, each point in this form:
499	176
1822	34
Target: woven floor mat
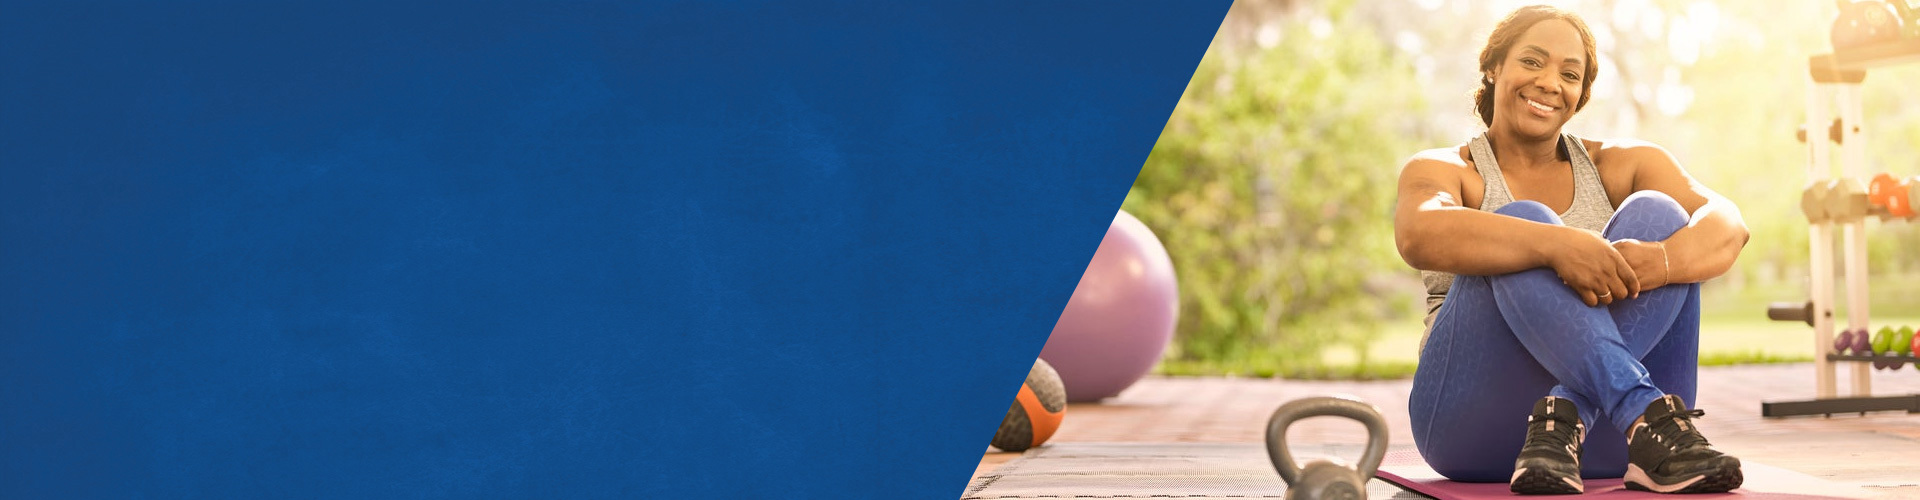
1154	470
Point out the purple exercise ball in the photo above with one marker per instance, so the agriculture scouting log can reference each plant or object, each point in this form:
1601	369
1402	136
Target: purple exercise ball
1121	315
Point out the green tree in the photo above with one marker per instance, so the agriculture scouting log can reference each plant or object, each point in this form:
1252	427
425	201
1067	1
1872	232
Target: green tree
1272	187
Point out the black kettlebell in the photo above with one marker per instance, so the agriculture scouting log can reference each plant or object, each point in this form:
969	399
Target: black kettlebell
1324	480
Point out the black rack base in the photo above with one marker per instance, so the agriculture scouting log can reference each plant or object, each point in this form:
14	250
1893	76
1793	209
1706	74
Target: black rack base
1915	360
1909	403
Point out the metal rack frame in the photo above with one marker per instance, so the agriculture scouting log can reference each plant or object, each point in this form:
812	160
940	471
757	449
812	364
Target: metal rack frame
1835	83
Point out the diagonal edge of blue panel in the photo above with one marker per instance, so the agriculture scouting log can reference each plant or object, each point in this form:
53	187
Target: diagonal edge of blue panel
527	249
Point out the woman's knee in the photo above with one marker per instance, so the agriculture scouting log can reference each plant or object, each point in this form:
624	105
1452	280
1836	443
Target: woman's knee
1529	210
1646	216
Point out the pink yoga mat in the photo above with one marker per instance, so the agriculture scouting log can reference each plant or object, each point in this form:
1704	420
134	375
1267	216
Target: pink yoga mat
1406	469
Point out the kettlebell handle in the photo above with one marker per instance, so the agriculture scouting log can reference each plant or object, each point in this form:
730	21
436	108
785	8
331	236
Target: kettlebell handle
1332	406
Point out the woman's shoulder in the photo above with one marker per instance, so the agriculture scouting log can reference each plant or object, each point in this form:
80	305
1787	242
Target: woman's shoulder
1625	163
1454	157
1613	151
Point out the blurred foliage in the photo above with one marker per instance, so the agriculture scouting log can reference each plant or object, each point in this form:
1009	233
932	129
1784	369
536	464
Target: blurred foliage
1737	136
1272	188
1746	92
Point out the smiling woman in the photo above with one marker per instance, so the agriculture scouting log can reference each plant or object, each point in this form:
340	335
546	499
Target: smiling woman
1563	275
1578	64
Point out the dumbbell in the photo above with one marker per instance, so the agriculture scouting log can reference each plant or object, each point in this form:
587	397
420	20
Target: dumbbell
1835	132
1791	311
1846	200
1882	342
1892	351
1893	195
1880	187
1813	202
1837	200
1899	206
1900	347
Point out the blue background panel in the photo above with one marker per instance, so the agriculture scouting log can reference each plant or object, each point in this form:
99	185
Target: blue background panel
549	249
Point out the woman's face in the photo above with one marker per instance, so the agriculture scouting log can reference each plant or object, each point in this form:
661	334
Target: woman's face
1538	84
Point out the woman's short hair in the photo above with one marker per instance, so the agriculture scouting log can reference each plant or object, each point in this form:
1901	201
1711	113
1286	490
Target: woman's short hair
1509	31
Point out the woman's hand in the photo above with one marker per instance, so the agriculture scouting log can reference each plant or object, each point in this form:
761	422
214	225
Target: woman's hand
1648	260
1593	268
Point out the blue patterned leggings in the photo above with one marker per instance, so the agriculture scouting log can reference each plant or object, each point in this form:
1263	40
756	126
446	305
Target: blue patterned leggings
1500	343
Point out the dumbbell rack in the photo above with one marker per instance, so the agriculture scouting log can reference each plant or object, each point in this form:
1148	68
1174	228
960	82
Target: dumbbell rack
1835	83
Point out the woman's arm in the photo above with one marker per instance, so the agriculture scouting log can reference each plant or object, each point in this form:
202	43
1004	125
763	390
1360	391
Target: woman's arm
1715	232
1436	232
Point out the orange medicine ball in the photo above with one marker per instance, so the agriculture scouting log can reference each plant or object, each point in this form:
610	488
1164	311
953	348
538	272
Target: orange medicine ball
1036	412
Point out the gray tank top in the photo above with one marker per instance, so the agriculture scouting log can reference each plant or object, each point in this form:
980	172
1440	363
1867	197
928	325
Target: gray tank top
1590	209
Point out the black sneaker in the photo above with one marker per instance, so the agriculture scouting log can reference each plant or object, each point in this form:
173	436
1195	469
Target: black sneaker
1549	463
1667	454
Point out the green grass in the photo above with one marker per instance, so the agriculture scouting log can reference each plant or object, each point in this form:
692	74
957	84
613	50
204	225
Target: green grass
1370	371
1725	339
1734	330
1751	358
1894	299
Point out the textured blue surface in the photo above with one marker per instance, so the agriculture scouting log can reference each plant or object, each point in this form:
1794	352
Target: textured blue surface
541	249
